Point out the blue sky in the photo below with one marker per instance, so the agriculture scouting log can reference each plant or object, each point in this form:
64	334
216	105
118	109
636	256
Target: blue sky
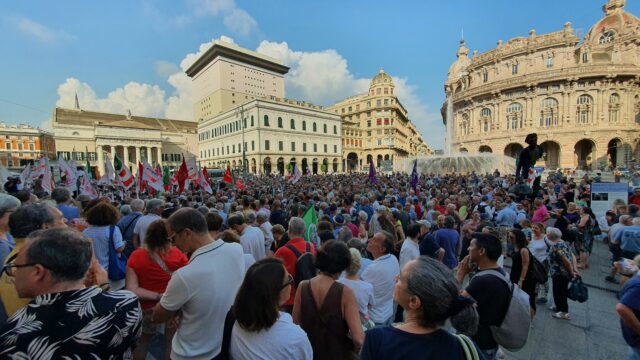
128	54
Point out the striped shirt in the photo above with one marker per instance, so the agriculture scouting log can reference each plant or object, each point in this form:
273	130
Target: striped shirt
100	238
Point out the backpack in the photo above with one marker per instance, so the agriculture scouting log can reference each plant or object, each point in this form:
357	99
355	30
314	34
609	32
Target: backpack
513	332
305	269
538	272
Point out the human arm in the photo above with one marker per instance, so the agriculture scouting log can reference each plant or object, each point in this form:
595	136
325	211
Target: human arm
463	269
117	239
583	221
133	286
136	241
295	314
440	254
174	297
352	317
524	254
628	317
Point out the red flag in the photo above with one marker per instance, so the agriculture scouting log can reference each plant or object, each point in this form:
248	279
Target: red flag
240	184
182	175
205	173
228	178
141	183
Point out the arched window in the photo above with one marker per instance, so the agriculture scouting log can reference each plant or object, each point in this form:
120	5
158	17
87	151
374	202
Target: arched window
607	37
549	112
486	112
293	124
514	116
614	107
315	127
279	122
485	119
584	108
266	120
464	125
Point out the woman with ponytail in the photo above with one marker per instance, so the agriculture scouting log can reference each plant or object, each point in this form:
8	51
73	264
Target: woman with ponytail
429	296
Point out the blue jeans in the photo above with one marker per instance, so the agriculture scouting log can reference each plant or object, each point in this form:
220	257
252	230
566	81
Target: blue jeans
634	353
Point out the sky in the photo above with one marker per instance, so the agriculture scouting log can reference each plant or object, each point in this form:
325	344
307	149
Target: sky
131	55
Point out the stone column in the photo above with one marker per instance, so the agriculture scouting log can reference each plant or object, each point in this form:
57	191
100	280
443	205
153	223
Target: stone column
126	156
113	152
138	155
159	155
100	156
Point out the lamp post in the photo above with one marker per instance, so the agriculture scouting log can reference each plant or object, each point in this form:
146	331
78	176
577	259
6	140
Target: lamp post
240	112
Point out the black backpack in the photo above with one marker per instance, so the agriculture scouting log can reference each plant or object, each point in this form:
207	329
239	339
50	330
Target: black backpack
305	269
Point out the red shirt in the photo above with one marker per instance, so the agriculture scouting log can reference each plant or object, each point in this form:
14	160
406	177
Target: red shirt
634	199
150	275
290	259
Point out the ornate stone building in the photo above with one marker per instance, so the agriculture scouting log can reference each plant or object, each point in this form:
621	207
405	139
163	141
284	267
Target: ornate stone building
582	98
376	126
80	134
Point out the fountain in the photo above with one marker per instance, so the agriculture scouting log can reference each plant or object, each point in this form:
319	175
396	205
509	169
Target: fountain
460	163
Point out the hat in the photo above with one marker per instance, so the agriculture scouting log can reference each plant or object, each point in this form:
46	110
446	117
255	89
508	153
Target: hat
338	219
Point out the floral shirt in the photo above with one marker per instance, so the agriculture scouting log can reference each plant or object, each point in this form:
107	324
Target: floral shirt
79	324
556	253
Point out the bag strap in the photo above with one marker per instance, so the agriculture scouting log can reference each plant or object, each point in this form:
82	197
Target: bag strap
229	321
496	273
294	250
130	223
469	349
160	262
308	247
112	242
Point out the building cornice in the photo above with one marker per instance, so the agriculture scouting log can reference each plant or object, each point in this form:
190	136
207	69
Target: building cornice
246	57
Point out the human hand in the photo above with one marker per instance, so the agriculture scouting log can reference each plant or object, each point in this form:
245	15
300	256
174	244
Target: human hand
464	267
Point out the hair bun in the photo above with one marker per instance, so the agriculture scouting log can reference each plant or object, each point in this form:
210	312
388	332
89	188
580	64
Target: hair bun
459	303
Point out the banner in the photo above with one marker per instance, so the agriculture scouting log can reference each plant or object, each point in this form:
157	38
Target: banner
605	193
310	221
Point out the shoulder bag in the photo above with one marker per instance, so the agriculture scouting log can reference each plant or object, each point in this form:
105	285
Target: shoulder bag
117	261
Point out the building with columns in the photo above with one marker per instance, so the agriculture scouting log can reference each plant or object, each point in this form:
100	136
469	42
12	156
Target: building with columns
581	98
20	144
377	127
80	134
243	117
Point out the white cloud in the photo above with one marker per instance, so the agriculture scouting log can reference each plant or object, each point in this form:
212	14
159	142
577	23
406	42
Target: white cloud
428	122
211	7
240	22
40	32
190	58
166	68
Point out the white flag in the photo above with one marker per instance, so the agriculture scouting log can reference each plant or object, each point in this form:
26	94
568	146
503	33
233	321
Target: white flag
204	184
69	173
151	177
110	174
47	180
87	188
38	170
297	174
192	169
25	174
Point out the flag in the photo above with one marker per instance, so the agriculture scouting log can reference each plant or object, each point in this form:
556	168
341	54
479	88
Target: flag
240	184
110	173
151	177
310	221
414	176
88	168
47	179
166	178
534	172
140	182
182	175
295	175
192	169
203	182
87	188
24	175
69	174
122	173
227	176
38	170
372	173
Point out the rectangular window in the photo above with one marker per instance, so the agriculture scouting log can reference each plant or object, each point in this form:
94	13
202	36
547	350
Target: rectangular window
386	121
549	62
368	104
379	142
293	146
253	145
514	69
233	148
8	146
315	147
266	144
386	102
325	148
369	123
280	145
304	147
379	122
485	76
378	102
335	149
585	58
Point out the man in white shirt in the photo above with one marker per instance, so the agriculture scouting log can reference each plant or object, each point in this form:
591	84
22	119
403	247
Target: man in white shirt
262	219
251	238
154	209
382	275
410	249
203	290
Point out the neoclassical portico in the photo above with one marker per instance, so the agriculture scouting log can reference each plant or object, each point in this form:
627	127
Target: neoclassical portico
131	152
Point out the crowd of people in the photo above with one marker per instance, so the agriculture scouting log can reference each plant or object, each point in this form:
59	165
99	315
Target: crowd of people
389	270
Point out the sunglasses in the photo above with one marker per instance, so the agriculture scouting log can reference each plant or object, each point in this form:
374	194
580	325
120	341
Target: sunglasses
289	282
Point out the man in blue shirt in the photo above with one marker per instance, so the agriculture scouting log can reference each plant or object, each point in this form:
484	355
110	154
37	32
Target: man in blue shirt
449	239
62	196
629	239
629	311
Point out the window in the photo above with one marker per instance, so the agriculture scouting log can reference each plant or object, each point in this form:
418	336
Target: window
19	146
585	57
549	62
304	147
315	147
485	76
266	145
378	103
293	146
607	37
514	69
335	149
280	122
324	128
293	124
514	116
350	109
614	107
368	104
386	121
233	148
280	145
378	91
485	112
253	145
304	125
325	145
266	120
251	120
315	127
584	109
8	146
378	122
379	142
369	123
244	123
549	112
386	102
335	129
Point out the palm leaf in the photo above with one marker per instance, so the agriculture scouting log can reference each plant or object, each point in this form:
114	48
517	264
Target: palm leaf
83	305
40	348
88	335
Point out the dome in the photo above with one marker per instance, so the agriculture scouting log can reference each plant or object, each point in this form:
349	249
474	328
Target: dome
457	69
381	78
615	21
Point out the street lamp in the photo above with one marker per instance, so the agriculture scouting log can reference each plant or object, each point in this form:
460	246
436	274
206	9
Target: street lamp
240	112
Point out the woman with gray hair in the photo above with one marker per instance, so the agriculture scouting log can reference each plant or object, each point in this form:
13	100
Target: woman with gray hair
563	268
429	296
8	204
361	289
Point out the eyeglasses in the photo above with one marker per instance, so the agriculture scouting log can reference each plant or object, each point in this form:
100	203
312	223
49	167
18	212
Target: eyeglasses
9	268
289	282
172	238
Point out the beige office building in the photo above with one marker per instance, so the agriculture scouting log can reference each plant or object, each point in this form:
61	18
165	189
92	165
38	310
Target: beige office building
376	127
243	116
582	98
81	134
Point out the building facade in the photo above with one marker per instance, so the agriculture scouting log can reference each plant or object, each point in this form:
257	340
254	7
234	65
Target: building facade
243	117
581	98
82	135
21	144
275	133
376	127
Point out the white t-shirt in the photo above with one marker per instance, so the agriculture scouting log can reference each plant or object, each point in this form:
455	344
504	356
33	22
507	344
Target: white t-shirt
204	290
363	292
382	275
283	340
410	250
268	235
539	249
252	241
143	224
